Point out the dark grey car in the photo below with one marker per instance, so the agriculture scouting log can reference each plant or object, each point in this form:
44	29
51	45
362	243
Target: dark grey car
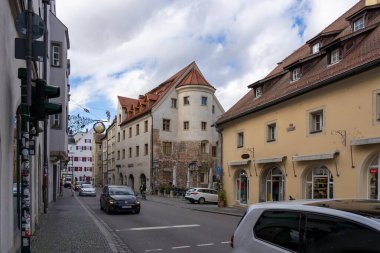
119	198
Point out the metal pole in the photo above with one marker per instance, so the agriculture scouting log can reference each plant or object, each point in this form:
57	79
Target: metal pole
45	185
26	93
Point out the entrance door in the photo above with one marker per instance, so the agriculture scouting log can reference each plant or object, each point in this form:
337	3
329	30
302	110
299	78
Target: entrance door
275	185
242	187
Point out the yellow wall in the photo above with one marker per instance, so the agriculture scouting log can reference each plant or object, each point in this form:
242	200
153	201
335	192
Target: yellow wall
348	105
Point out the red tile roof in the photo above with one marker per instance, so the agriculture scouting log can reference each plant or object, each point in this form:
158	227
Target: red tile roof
277	86
189	75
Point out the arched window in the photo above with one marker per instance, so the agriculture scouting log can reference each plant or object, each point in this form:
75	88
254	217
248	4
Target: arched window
319	183
274	185
373	178
242	187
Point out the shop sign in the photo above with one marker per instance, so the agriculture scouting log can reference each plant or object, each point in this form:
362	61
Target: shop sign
373	171
244	156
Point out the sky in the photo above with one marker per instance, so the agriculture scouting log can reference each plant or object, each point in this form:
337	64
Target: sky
128	47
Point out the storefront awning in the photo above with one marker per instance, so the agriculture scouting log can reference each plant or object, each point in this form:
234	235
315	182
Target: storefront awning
365	141
323	156
236	163
270	160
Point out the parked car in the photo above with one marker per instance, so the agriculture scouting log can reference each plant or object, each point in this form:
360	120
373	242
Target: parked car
87	190
14	189
67	183
78	185
201	195
119	198
328	226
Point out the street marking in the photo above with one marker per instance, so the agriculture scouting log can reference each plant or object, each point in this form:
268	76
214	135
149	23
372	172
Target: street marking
151	250
158	227
205	244
181	247
225	242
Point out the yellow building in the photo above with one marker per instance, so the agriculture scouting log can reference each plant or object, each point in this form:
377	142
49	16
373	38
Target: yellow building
311	128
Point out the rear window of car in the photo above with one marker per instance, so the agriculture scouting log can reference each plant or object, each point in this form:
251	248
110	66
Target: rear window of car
281	228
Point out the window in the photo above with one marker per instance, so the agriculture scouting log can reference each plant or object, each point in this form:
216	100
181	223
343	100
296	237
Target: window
87	140
118	155
146	150
167	148
213	109
145	126
174	103
130	153
213	151
186	100
203	147
56	121
240	140
186	125
203	125
166	124
330	234
123	134
296	74
137	151
359	24
204	101
335	56
118	137
316	121
258	92
130	132
271	132
56	55
123	153
280	228
119	118
137	129
315	48
319	184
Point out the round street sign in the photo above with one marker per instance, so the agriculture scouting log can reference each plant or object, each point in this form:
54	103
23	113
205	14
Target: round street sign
218	170
38	26
99	127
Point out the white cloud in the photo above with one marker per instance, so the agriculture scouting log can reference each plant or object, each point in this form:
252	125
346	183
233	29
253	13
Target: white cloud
129	47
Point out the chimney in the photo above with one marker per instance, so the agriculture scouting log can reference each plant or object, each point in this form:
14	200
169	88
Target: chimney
371	2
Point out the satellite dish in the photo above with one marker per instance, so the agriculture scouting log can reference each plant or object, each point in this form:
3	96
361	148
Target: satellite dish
38	26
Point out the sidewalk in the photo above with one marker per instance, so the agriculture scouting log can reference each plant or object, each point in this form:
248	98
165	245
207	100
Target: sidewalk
69	227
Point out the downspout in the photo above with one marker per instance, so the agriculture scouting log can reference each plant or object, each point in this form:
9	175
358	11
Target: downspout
152	168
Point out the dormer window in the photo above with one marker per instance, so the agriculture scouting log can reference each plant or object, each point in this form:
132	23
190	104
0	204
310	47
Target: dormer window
296	74
335	56
315	48
258	92
359	24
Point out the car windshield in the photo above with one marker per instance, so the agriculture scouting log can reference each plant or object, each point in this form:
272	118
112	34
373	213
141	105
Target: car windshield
87	186
120	191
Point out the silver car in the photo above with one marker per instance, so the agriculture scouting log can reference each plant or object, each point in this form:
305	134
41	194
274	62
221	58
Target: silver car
87	190
328	226
202	195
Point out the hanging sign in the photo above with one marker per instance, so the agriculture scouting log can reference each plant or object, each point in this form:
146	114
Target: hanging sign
245	156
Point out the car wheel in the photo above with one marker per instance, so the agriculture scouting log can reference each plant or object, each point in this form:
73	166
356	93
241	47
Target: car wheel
201	200
191	201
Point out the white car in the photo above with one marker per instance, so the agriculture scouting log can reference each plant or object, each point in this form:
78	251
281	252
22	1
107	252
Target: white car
325	226
87	190
201	195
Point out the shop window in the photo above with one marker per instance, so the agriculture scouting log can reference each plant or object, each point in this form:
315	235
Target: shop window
274	185
373	178
319	184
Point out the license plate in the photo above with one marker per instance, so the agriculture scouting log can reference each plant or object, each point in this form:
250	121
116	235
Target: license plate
126	207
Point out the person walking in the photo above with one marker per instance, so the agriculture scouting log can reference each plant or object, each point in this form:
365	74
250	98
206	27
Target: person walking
142	190
72	188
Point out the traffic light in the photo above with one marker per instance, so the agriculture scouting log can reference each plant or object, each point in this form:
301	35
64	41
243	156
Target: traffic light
41	107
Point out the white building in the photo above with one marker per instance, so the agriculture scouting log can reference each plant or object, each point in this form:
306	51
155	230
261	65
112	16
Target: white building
167	136
80	157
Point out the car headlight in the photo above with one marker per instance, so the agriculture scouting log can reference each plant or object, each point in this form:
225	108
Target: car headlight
111	201
137	202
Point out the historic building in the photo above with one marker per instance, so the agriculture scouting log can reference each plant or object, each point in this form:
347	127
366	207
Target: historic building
80	162
166	136
311	128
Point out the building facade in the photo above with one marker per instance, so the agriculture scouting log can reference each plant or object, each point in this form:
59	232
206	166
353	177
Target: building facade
166	137
310	129
10	126
80	157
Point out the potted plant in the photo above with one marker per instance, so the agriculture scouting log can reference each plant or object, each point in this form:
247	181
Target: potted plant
221	198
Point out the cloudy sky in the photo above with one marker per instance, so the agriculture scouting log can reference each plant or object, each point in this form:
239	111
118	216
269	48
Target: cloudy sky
127	47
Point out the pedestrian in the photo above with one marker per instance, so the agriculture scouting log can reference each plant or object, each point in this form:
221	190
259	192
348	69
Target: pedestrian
142	190
72	188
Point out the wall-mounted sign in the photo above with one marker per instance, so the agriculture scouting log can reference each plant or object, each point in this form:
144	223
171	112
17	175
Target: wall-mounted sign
245	156
373	171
